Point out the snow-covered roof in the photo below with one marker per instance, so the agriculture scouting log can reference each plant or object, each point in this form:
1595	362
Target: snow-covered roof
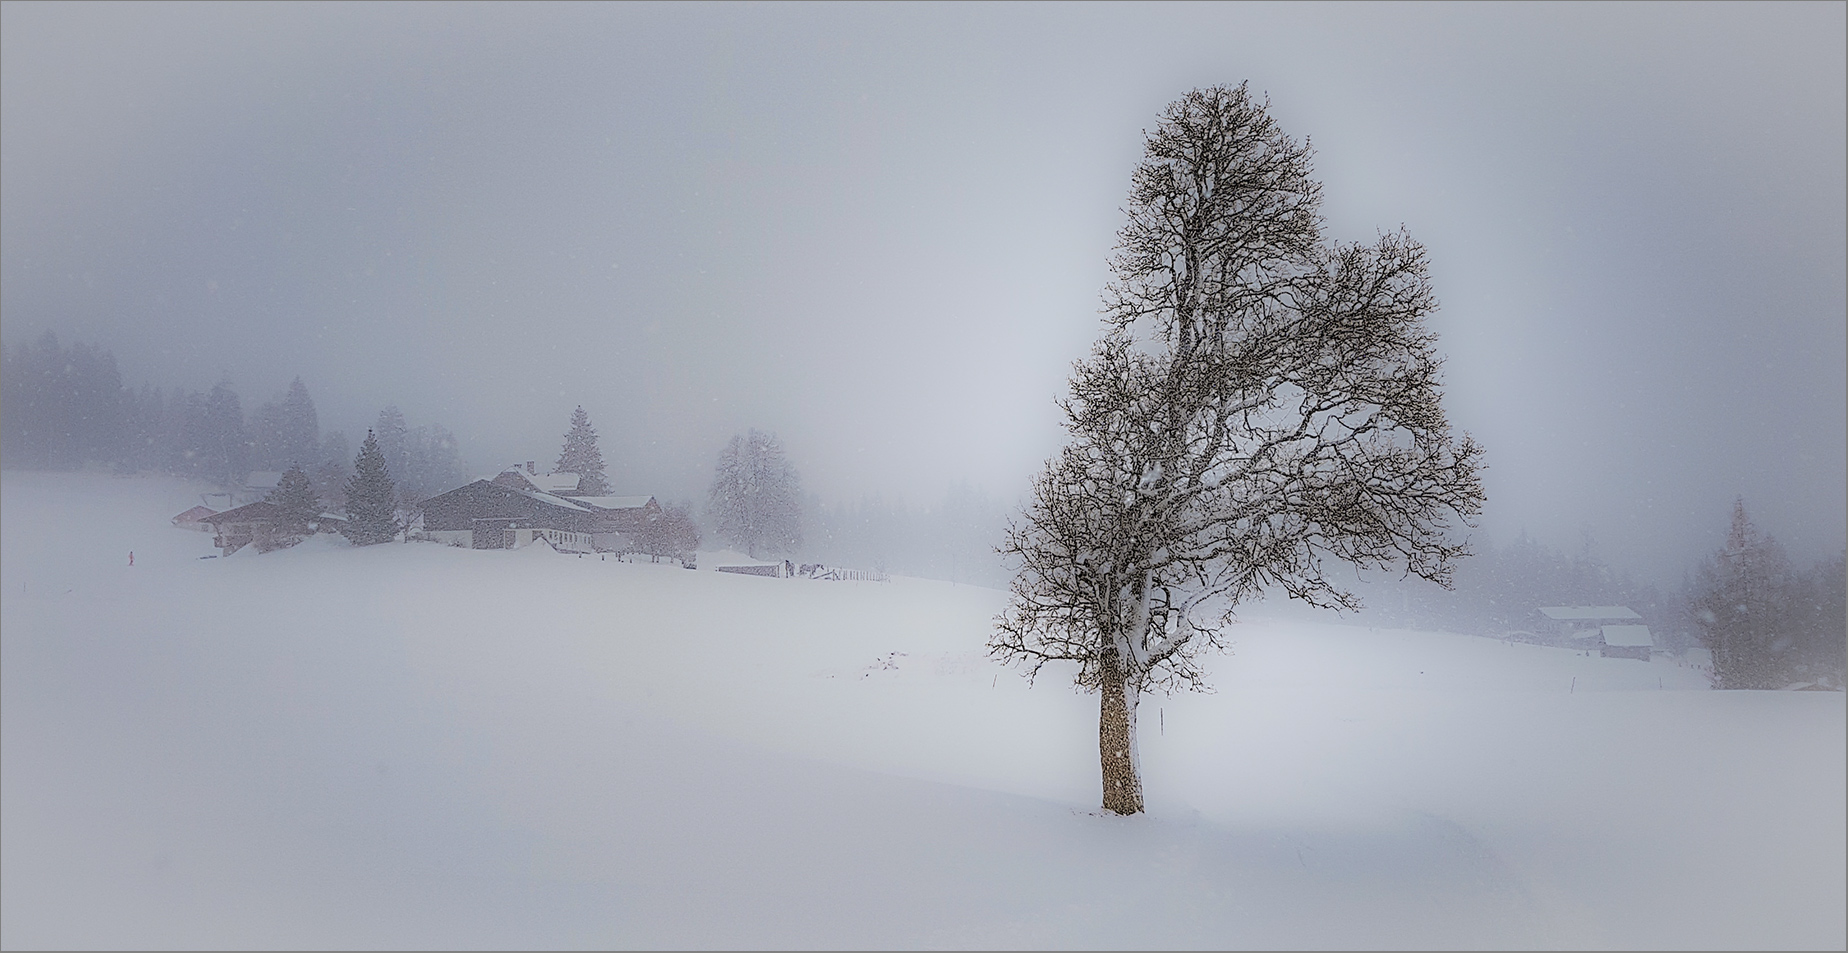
260	510
554	500
194	515
554	482
1587	613
544	482
615	502
1627	635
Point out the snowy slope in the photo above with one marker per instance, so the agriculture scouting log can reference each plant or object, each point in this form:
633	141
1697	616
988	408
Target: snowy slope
411	745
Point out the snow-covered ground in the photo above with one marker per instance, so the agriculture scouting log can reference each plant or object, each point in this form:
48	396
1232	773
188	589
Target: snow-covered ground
413	745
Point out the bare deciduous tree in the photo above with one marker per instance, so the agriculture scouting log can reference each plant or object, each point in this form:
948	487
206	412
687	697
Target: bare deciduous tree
1262	405
756	496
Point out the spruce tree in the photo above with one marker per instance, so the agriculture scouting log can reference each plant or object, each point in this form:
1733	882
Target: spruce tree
301	506
581	456
299	440
371	517
266	437
335	468
393	437
225	444
1742	605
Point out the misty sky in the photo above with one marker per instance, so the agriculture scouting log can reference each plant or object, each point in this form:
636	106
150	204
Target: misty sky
881	231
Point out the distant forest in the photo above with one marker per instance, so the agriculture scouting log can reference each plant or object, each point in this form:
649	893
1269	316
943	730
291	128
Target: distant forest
65	408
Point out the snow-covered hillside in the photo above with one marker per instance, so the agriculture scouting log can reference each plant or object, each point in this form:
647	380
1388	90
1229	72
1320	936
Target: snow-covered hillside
413	745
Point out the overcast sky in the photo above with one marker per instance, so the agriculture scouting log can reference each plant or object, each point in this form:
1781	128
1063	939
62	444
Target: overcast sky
881	231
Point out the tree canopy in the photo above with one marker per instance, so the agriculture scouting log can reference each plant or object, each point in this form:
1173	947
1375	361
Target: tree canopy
1262	405
756	496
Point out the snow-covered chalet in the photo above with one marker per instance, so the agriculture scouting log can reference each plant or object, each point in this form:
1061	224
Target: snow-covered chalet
520	505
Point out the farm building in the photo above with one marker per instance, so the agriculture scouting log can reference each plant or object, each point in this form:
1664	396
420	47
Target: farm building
1626	641
240	526
488	514
1571	620
521	504
1618	631
194	519
260	523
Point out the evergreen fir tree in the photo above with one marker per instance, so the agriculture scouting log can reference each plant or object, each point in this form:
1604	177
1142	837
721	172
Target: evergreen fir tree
1741	603
335	468
301	427
301	505
266	437
287	432
371	516
224	443
301	508
393	437
581	456
431	465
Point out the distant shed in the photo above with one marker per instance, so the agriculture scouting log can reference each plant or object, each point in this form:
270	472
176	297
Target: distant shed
1627	641
1579	622
1593	614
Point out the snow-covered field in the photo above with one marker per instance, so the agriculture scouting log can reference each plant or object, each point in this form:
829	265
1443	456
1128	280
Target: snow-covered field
412	745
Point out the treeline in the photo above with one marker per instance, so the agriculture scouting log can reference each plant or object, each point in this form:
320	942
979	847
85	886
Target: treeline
1766	622
1499	591
65	407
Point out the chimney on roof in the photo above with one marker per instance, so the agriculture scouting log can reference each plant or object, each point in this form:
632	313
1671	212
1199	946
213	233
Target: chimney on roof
530	468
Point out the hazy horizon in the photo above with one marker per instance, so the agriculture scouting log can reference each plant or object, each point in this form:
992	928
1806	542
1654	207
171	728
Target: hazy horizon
881	231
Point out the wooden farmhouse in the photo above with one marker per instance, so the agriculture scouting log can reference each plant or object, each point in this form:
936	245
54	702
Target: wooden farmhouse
511	511
240	526
488	515
260	523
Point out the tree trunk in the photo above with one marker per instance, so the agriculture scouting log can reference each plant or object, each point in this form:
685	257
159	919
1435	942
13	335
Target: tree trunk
1116	742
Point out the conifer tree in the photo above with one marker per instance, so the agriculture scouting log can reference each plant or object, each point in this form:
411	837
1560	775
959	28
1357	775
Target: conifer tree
581	456
432	464
287	432
335	468
393	436
371	516
224	443
1742	604
301	507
